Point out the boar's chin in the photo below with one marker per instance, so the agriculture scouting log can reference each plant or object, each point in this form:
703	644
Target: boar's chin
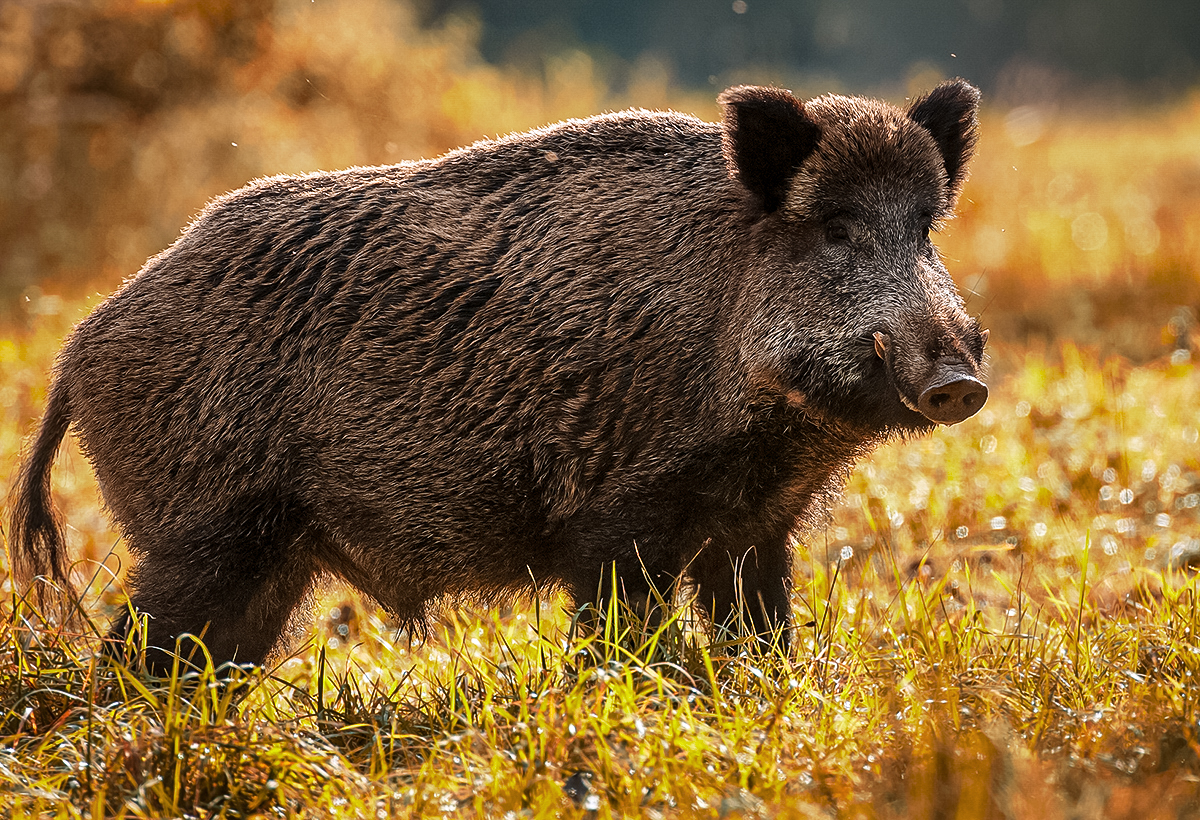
872	405
883	406
898	404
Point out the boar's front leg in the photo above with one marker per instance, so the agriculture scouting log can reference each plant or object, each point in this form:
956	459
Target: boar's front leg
637	574
639	591
746	590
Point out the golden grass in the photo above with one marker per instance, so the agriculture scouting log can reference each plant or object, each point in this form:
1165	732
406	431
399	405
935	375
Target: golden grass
1082	224
998	621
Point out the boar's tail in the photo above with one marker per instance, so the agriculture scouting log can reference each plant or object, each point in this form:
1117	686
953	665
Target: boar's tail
36	549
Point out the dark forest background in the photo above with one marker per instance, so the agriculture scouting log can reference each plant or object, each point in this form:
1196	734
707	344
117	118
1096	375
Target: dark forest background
1121	46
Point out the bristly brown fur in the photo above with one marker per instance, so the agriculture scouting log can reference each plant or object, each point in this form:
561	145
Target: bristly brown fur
637	344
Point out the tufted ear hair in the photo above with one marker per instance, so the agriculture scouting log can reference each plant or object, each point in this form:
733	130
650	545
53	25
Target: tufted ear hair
950	114
767	137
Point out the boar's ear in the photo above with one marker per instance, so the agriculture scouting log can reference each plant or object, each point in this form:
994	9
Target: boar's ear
767	136
949	114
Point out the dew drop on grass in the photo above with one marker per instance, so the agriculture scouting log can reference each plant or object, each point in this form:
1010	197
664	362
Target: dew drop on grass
847	552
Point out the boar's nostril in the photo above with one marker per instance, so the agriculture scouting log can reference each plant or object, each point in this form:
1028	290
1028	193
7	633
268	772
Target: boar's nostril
951	400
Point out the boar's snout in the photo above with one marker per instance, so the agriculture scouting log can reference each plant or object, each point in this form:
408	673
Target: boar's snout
947	393
951	395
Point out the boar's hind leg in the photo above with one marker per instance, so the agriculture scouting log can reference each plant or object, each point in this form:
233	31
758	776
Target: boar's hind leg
238	596
746	591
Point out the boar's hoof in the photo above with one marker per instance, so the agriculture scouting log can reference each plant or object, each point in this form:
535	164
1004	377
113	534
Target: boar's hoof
952	397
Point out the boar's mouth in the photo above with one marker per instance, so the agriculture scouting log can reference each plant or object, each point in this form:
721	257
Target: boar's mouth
948	393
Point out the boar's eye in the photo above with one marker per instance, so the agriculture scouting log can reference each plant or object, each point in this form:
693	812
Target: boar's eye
837	231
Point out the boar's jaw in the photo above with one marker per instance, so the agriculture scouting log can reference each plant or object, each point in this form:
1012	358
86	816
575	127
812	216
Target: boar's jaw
950	393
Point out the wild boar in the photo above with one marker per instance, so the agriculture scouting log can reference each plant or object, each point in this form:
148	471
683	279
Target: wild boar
637	346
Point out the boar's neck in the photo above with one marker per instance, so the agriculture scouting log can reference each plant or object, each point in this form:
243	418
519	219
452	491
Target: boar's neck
782	466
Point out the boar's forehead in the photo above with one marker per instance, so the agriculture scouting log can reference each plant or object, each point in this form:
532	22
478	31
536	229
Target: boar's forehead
870	158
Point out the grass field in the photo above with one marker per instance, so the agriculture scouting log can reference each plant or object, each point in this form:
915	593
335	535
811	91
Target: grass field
999	620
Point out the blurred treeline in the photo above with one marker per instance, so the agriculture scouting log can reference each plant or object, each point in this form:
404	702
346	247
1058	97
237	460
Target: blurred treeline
1009	47
121	118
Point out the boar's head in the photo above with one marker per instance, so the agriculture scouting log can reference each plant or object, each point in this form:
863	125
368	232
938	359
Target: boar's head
847	309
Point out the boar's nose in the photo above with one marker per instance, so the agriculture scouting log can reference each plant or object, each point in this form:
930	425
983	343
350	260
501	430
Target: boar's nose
951	396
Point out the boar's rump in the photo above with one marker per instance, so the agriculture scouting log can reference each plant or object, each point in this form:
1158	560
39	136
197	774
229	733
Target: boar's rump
638	347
